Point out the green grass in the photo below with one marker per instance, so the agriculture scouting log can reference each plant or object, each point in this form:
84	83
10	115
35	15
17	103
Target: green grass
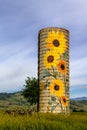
44	121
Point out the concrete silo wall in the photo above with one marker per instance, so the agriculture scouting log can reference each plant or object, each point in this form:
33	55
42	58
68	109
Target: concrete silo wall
53	70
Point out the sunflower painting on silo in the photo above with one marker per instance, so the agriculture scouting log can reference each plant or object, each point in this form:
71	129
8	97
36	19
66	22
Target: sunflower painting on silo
53	70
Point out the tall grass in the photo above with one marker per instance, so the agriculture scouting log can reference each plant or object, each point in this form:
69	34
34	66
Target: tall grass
44	121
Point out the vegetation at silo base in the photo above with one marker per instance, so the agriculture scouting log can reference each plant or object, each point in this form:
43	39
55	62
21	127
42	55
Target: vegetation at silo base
18	114
43	121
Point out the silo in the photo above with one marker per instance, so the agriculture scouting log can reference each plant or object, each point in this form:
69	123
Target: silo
53	70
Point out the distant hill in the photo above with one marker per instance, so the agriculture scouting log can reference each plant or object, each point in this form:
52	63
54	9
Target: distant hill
79	98
78	104
8	100
16	100
4	96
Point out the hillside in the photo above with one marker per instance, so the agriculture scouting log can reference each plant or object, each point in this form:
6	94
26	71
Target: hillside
78	105
79	98
11	100
8	100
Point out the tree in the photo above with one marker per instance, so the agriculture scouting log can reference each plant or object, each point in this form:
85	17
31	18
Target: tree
31	90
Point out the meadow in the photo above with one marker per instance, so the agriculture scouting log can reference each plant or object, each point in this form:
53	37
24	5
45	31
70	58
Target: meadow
44	121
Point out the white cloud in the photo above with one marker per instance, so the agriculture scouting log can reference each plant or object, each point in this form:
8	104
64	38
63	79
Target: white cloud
13	74
85	86
20	22
78	71
17	63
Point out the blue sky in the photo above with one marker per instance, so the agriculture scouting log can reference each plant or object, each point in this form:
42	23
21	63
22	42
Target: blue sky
20	21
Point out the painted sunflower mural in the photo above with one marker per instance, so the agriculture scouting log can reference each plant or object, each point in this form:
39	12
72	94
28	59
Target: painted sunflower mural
50	59
56	87
56	41
62	66
53	70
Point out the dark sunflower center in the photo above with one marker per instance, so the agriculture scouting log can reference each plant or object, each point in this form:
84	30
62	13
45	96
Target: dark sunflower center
64	100
56	43
50	59
62	67
56	87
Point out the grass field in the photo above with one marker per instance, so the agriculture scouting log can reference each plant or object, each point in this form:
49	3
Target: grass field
47	121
